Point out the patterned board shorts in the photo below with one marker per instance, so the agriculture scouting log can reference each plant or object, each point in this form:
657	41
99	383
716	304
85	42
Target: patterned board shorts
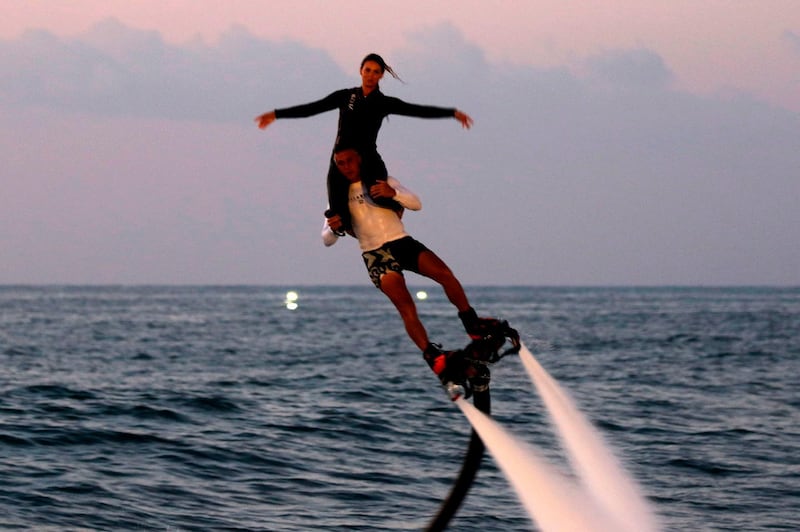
395	256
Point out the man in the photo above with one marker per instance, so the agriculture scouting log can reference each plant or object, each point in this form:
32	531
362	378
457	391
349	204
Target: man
388	250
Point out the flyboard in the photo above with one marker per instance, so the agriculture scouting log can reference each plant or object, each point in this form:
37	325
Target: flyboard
478	354
604	498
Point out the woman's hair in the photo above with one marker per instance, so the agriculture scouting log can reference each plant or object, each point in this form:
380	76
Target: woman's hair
378	59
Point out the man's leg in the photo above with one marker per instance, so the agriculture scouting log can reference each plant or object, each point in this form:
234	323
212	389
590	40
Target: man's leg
431	266
393	284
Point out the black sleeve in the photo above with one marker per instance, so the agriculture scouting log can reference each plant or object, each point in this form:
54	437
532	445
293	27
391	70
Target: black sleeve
328	103
396	106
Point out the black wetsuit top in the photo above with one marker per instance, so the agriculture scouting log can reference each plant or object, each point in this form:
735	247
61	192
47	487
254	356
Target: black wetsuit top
360	119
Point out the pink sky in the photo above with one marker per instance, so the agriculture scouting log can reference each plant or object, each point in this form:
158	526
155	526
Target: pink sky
713	45
629	142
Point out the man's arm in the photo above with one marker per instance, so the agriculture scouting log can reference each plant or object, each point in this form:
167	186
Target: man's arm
329	237
392	189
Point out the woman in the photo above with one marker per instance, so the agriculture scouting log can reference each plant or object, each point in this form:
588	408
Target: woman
361	113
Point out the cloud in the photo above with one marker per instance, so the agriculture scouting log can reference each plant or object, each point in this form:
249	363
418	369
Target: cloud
442	47
116	70
793	39
635	69
608	178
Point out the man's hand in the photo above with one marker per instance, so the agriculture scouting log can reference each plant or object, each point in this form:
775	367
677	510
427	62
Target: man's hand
381	189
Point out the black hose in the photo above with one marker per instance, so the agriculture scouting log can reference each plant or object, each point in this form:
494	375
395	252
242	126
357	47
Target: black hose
469	469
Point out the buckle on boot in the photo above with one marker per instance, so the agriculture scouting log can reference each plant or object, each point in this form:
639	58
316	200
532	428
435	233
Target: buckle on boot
486	349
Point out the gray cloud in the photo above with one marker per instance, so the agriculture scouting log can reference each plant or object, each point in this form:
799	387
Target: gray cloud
116	70
793	39
611	178
636	69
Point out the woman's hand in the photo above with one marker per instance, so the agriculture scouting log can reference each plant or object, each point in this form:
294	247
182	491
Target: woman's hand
264	120
464	118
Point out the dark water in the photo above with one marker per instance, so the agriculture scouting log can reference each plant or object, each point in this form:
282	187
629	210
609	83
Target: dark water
202	408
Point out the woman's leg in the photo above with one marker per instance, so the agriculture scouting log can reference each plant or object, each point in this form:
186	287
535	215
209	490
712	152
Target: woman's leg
374	169
338	187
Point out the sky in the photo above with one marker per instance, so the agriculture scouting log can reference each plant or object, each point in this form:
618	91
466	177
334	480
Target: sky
622	142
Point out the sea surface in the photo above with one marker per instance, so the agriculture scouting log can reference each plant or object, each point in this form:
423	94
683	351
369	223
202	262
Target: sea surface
220	408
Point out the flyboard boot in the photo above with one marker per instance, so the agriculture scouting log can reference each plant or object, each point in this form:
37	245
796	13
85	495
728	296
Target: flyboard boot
488	337
452	368
465	371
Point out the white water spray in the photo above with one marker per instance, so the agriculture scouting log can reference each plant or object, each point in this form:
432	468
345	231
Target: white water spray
552	500
607	501
600	471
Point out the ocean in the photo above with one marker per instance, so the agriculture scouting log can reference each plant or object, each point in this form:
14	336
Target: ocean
221	408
